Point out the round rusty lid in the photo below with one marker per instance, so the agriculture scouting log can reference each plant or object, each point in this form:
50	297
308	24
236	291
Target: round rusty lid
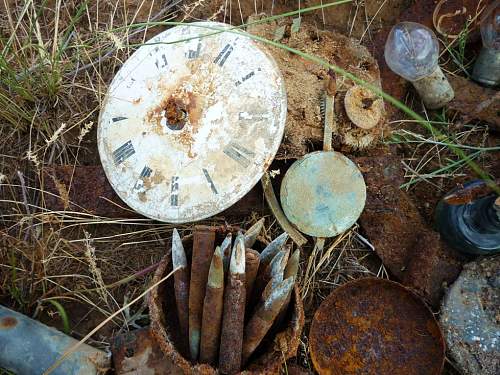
363	107
323	193
375	326
191	122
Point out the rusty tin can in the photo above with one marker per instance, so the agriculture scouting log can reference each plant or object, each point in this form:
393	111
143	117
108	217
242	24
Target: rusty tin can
375	326
165	328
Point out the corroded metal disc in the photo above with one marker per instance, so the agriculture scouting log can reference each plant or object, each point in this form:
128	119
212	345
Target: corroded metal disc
373	327
323	194
191	122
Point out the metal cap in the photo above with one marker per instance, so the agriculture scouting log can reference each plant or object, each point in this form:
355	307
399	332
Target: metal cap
323	194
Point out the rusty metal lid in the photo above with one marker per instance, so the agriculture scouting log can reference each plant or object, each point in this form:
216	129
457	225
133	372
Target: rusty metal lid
323	193
191	122
375	326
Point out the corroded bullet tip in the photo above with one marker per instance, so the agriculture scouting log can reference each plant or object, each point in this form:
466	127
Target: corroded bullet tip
273	248
278	296
237	265
252	233
278	264
292	267
271	286
216	272
178	254
226	251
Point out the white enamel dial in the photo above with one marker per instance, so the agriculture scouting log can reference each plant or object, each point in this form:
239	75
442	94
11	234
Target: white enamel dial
191	122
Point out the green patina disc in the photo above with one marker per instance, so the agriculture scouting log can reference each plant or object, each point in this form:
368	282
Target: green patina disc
323	194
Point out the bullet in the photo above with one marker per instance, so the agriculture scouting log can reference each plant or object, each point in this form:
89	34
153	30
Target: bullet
262	320
252	233
226	252
292	266
212	310
291	271
272	249
271	285
277	266
181	282
203	245
252	261
234	312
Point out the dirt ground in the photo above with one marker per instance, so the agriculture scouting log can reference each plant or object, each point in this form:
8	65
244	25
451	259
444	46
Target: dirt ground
92	264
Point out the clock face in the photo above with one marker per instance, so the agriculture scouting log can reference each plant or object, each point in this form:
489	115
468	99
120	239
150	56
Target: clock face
191	122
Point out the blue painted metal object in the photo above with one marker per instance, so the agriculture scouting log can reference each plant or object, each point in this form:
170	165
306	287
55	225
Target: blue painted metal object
28	347
323	194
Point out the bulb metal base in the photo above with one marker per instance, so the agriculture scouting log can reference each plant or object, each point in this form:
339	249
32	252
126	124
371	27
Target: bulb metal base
487	68
435	90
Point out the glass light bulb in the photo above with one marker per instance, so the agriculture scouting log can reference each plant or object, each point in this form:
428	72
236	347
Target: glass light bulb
487	66
490	27
412	50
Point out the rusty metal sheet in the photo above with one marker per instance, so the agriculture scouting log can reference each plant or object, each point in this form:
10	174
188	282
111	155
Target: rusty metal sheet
475	102
323	194
375	326
136	352
191	122
86	189
408	247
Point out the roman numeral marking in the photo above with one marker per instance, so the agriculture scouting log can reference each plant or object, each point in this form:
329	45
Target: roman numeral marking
239	153
119	118
164	64
123	152
248	76
129	85
210	181
174	191
192	54
223	55
247	117
146	172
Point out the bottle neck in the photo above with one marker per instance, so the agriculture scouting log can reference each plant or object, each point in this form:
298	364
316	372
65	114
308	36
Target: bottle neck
484	215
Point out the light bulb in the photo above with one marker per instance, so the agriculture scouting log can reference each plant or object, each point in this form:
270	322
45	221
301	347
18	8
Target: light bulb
487	67
412	52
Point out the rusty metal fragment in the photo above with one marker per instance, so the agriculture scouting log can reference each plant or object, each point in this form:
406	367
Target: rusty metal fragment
252	261
136	352
203	245
181	282
264	316
291	271
408	247
252	233
475	102
212	310
234	312
378	327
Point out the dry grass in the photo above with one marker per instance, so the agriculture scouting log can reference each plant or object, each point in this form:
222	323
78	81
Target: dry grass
57	59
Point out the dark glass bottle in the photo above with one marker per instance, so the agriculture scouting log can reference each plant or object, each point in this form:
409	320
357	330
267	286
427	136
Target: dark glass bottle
470	227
